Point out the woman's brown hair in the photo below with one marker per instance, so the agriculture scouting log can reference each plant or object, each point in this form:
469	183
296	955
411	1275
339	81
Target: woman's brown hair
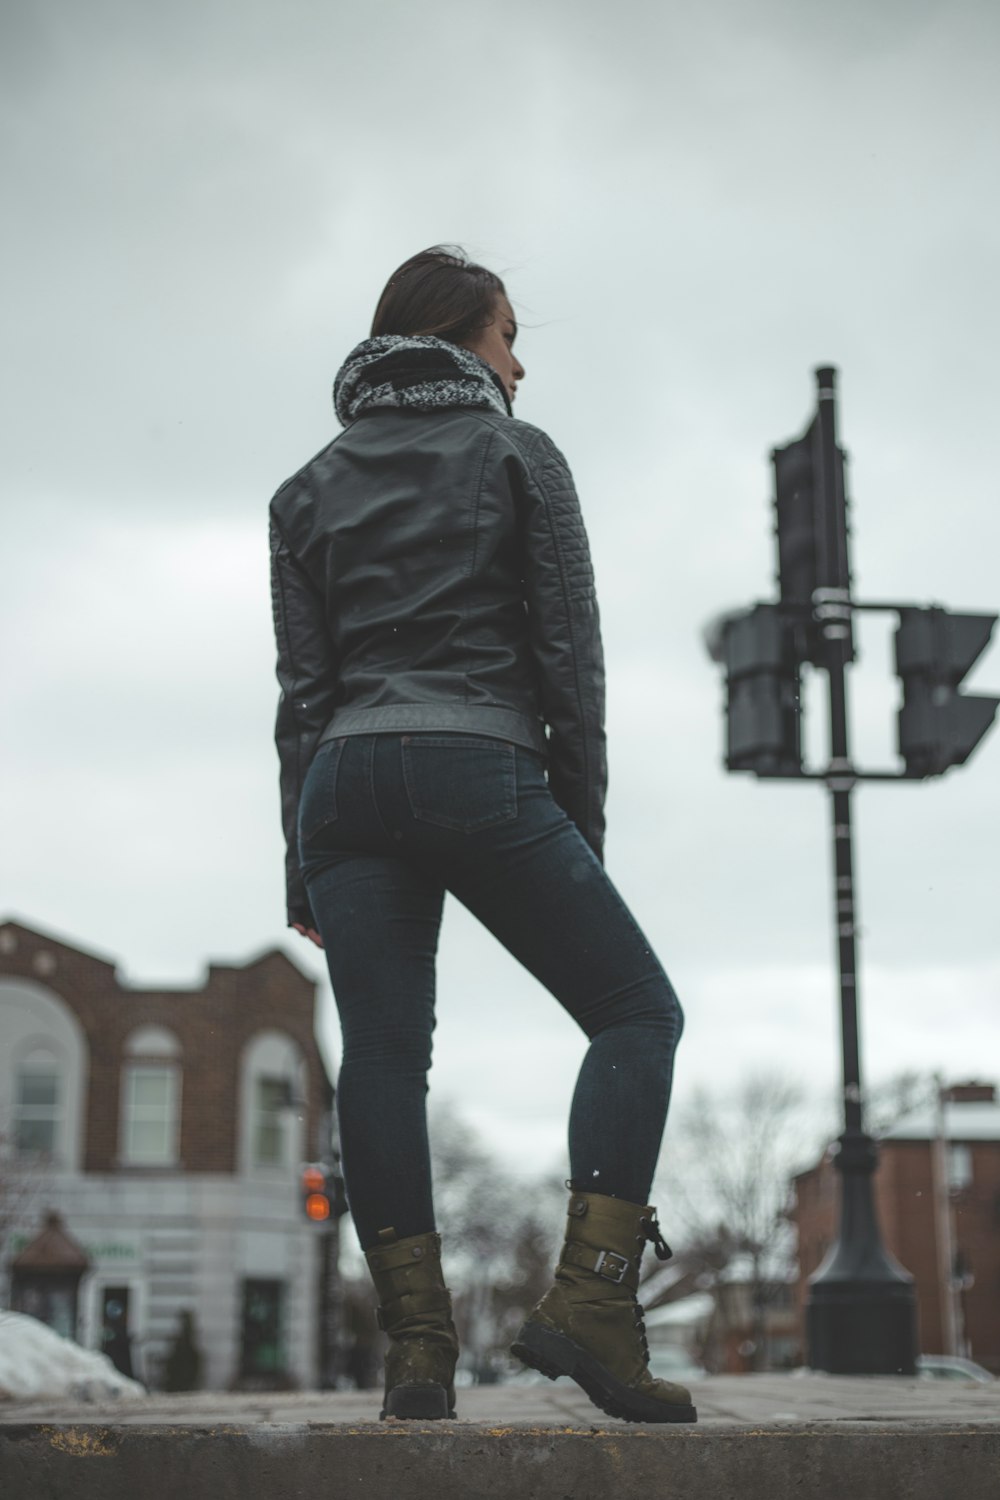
439	292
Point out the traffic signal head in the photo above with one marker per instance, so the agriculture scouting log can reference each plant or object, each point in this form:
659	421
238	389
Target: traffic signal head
794	504
763	710
938	726
316	1204
810	508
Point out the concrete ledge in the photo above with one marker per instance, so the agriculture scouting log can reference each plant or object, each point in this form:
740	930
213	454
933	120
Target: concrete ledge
451	1461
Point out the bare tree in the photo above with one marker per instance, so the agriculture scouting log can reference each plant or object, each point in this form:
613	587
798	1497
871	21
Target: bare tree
892	1098
726	1181
21	1180
501	1236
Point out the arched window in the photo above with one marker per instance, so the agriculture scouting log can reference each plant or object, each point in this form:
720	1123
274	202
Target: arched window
272	1097
38	1104
151	1095
43	1072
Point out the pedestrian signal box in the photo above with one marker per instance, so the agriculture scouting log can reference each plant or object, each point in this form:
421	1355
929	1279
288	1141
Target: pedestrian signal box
940	727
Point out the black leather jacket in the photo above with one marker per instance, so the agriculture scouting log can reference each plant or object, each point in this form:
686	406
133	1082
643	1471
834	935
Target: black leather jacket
431	571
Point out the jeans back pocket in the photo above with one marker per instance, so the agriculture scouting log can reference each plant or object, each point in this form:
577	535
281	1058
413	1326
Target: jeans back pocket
462	782
318	802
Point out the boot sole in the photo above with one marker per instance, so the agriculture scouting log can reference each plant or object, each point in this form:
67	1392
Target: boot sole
554	1354
422	1402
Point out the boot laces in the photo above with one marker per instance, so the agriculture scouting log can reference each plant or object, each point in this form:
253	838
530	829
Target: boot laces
651	1231
640	1325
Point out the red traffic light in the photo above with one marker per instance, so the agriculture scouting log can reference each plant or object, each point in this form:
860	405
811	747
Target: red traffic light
315	1194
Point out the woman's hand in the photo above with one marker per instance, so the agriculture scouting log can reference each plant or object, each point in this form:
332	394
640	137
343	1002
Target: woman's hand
308	932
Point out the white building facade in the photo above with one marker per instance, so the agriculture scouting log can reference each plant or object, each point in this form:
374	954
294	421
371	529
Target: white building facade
168	1131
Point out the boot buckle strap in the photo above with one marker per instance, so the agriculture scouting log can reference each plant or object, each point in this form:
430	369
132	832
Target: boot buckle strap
429	1300
603	1265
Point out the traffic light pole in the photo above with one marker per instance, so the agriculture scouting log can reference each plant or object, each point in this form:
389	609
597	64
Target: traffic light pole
861	1306
832	609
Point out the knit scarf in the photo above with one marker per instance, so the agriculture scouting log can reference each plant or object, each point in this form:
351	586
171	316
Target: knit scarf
418	371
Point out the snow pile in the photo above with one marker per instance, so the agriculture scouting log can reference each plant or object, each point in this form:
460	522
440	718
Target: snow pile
37	1364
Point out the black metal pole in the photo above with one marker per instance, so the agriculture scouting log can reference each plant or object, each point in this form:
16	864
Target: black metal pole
329	1305
845	919
861	1305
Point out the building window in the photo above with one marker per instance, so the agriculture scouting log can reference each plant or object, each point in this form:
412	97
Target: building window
959	1167
150	1110
273	1096
273	1105
38	1111
150	1114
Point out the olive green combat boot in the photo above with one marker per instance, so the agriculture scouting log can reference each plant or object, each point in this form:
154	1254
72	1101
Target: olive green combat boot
415	1311
589	1324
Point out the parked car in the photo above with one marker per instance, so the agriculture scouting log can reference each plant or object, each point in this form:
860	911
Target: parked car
951	1367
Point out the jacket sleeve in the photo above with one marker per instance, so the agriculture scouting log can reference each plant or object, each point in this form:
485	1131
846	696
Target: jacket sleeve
307	677
565	635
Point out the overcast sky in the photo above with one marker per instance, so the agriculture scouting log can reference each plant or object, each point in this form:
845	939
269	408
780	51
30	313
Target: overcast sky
693	206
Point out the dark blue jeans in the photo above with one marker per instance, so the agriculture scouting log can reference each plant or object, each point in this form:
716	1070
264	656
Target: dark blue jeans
387	824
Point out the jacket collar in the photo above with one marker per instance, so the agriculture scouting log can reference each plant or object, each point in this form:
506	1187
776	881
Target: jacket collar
415	371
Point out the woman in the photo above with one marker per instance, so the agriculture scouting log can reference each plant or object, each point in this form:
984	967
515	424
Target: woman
441	727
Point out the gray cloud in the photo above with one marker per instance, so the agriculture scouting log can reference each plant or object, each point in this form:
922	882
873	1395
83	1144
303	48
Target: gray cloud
692	211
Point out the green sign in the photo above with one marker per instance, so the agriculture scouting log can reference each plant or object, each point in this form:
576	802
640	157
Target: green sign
96	1250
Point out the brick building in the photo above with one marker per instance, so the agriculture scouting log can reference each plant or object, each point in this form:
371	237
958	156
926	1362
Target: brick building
937	1197
166	1130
